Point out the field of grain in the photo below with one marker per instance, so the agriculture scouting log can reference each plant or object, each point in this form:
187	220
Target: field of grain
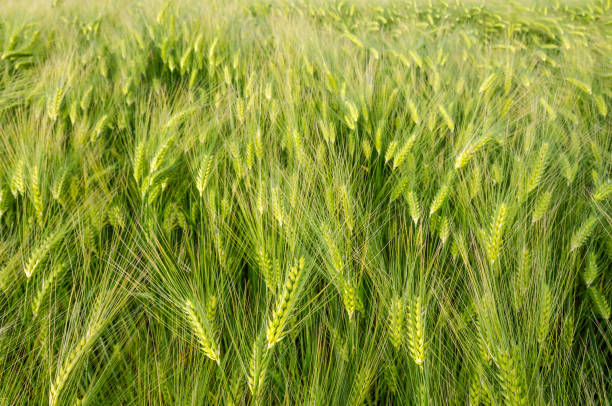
291	202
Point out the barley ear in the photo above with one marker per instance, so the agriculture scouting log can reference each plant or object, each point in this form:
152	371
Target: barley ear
495	236
277	324
203	332
396	322
583	232
511	379
416	335
545	313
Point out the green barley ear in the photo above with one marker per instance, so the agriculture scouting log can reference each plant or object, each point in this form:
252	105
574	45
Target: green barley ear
84	102
202	330
265	266
158	159
347	209
580	85
599	300
459	247
352	115
595	176
592	271
139	162
169	220
361	385
328	131
260	203
568	331
366	148
219	246
414	206
567	169
468	152
483	345
403	152
249	156
18	179
37	199
45	286
277	209
211	313
54	103
115	216
259	148
300	151
396	322
423	397
495	236
40	253
390	150
524	272
237	160
538	168
350	297
475	182
583	232
334	252
414	113
378	139
72	361
601	104
391	376
446	117
275	330
331	202
258	366
444	229
541	207
99	127
545	313
204	173
552	114
4	202
476	390
434	223
497	173
399	187
179	218
603	191
268	91
487	83
58	186
439	198
511	379
416	335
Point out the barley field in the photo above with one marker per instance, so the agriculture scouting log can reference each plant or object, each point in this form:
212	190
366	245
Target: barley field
291	202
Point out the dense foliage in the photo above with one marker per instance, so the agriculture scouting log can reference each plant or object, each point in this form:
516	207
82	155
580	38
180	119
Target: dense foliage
305	202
